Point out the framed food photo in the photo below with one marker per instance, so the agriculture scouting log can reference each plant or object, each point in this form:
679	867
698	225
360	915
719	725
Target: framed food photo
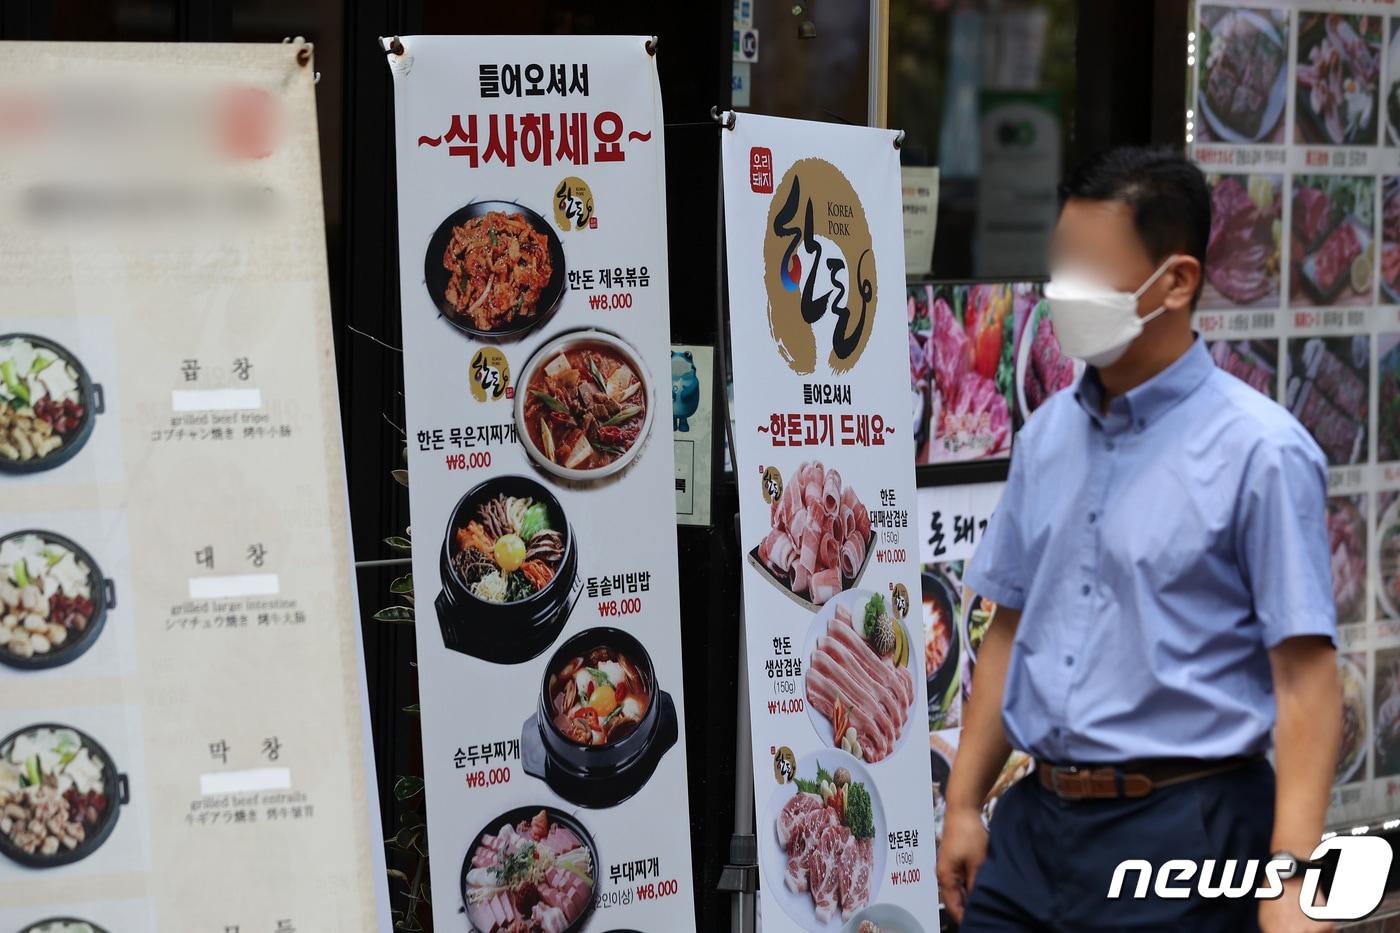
982	358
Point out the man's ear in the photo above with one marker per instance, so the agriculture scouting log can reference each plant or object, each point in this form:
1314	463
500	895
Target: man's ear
1183	283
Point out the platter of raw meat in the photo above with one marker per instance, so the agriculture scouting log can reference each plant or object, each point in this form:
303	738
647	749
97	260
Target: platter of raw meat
828	826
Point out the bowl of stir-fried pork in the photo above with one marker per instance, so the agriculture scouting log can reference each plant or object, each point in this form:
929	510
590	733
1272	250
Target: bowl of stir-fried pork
495	269
584	407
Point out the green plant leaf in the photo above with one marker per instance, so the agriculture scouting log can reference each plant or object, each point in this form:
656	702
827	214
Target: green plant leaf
402	585
400	476
406	837
407	786
411	819
399	543
398	614
414	709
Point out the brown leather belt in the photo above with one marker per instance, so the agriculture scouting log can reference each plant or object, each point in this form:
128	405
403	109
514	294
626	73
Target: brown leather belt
1130	779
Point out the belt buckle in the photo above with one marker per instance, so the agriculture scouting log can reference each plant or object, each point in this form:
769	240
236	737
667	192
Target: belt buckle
1055	776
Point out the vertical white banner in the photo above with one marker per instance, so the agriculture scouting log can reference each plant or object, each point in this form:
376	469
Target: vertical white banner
532	237
825	463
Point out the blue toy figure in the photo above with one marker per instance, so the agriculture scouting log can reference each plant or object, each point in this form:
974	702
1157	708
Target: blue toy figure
685	389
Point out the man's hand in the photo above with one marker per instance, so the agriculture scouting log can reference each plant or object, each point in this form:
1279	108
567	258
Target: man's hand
1283	915
960	853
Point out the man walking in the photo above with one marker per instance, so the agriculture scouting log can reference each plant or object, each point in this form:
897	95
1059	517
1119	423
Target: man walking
1160	565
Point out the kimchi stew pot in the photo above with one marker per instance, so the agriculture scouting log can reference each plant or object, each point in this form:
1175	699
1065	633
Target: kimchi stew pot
585	405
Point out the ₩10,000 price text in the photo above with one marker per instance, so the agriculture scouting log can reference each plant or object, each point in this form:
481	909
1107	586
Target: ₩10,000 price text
891	555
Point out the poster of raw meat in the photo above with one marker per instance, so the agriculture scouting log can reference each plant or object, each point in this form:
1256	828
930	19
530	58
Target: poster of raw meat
967	334
1041	368
536	339
824	458
1332	256
1308	181
1338	78
1243	85
1254	362
1329	393
1245	254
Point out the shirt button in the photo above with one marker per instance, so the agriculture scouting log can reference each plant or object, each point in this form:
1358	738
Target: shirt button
1069	660
1085	589
1093	517
1108	445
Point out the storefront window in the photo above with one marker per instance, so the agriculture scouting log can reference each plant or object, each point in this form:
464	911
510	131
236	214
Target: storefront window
984	90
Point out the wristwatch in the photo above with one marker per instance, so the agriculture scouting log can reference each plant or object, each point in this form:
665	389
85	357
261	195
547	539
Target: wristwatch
1290	865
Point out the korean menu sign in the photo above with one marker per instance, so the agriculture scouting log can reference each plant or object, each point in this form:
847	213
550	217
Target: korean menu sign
1294	114
536	328
182	710
824	460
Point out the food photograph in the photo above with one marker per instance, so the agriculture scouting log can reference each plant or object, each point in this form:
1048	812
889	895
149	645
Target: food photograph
1338	78
586	406
920	364
945	663
509	568
1243	87
53	600
1333	253
60	796
820	539
532	870
970	356
47	404
1253	362
1346	537
1388	398
1392	86
1245	251
1386	703
1390	237
495	270
830	829
1388	554
63	925
1351	754
943	750
1328	386
602	722
860	677
1041	368
883	918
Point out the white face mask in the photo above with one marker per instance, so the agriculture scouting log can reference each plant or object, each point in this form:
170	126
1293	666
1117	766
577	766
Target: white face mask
1094	322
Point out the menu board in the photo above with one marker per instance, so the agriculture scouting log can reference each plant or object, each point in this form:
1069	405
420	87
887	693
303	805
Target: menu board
1294	114
536	325
182	709
982	358
824	457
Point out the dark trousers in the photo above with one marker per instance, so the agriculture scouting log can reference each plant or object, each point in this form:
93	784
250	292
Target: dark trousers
1050	862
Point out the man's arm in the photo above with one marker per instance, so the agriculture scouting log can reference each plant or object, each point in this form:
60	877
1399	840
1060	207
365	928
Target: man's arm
982	752
1308	694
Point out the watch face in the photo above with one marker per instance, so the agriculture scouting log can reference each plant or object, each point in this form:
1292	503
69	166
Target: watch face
1287	865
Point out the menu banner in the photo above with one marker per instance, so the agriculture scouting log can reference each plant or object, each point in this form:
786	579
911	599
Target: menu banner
1294	114
825	465
183	734
536	328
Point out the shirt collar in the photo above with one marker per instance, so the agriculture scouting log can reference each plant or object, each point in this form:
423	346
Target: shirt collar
1149	401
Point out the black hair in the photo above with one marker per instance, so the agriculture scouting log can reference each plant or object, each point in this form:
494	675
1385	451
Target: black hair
1165	191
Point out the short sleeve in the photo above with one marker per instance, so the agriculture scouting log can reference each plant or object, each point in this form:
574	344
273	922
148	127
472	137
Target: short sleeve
1282	541
999	570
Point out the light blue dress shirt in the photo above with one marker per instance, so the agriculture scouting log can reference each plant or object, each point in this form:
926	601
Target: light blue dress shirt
1157	553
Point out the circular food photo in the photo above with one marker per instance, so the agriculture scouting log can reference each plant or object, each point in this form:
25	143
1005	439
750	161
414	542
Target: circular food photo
941	646
602	723
860	675
60	795
532	869
941	755
584	406
883	918
1389	551
1349	753
509	568
53	600
47	404
63	925
829	825
495	269
1042	369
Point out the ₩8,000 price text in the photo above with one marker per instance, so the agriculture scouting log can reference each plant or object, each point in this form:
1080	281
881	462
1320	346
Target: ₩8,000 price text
489	777
619	607
476	460
617	301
